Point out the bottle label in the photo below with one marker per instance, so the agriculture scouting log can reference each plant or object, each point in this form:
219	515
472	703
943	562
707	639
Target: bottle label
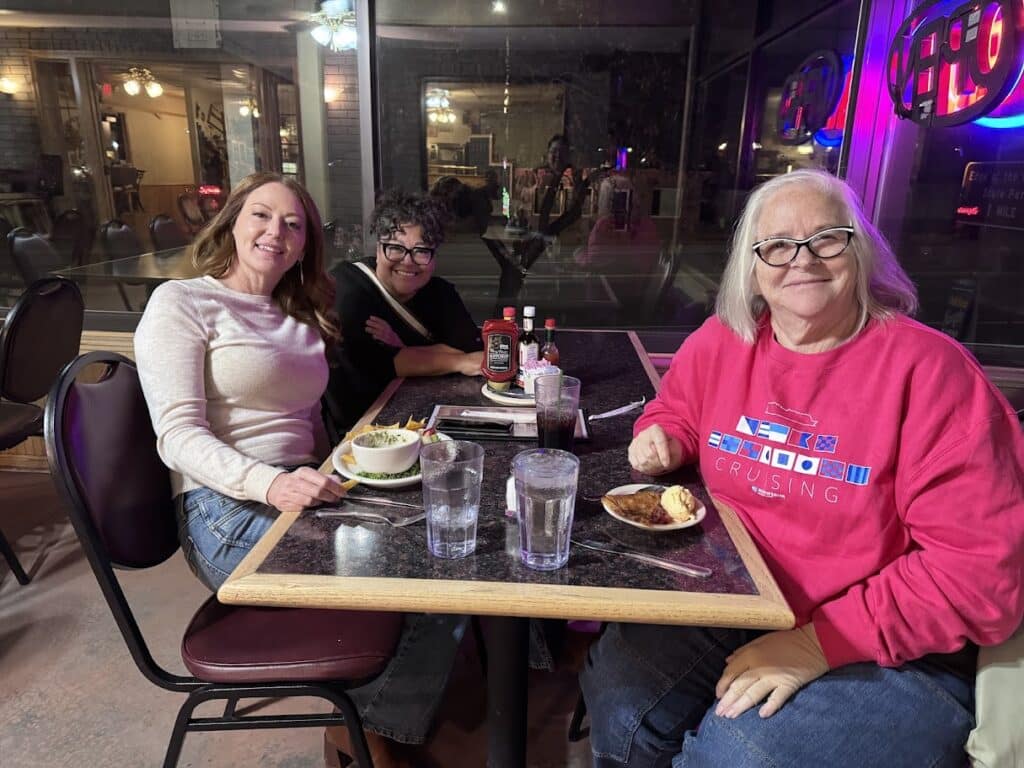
528	353
499	352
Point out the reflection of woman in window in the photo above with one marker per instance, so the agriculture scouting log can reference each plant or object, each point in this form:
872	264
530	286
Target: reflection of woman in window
557	174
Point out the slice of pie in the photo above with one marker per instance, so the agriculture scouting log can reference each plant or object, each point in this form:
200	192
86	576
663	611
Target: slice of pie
642	507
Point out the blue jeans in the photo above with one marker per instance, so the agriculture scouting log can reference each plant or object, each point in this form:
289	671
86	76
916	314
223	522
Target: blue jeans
216	532
648	689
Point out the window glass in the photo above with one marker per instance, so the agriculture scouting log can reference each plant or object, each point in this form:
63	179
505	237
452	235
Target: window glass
109	115
555	135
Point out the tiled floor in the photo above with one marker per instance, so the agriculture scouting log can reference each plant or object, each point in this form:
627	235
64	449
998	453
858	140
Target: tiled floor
71	695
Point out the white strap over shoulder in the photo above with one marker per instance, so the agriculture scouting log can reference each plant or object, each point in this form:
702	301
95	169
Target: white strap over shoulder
401	311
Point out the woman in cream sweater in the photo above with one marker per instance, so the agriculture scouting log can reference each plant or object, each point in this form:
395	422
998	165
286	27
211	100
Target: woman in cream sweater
233	365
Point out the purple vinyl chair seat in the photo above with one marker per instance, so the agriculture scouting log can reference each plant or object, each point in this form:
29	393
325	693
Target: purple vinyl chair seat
230	644
102	454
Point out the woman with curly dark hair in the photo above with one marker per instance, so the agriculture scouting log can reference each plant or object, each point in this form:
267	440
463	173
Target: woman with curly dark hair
398	319
233	366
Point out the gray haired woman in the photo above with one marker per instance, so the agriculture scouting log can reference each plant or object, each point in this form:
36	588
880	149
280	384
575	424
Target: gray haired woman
873	464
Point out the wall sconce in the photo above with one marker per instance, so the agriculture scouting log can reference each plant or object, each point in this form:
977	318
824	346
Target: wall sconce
334	25
8	86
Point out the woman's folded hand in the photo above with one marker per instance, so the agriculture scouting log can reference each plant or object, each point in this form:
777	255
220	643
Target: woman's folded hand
304	487
773	666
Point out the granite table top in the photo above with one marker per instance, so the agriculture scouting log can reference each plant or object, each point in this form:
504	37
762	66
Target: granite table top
340	562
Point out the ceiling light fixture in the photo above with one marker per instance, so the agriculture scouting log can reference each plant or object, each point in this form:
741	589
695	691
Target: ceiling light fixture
438	103
249	107
138	78
335	25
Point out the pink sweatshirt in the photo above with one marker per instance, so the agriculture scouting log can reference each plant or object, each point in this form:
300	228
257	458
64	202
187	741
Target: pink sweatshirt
883	481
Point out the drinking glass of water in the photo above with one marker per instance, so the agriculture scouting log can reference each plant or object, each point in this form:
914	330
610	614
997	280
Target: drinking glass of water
545	482
452	471
558	400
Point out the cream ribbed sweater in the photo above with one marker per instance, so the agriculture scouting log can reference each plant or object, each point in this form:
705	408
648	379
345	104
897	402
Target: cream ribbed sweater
233	387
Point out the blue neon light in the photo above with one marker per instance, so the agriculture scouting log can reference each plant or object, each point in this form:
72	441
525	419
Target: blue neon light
822	139
1002	123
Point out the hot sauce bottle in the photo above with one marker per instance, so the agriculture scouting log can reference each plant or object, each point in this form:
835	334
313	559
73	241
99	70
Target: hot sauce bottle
549	351
501	347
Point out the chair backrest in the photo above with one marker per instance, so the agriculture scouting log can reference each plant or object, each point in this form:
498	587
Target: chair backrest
119	241
209	206
165	233
102	455
33	255
123	175
40	335
189	207
72	236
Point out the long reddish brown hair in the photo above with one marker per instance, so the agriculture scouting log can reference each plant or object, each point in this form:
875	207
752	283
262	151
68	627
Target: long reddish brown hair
306	291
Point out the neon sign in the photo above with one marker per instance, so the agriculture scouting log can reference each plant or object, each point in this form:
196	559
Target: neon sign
814	101
954	62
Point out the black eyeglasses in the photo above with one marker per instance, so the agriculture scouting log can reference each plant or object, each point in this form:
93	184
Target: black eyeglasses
827	244
395	252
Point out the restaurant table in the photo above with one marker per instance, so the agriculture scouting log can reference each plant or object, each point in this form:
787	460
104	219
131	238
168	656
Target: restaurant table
323	562
149	269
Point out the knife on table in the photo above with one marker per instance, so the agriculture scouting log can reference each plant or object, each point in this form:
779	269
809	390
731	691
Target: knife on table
698	571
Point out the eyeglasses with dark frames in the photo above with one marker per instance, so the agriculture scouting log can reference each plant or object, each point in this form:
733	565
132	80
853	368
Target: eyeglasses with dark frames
826	244
395	252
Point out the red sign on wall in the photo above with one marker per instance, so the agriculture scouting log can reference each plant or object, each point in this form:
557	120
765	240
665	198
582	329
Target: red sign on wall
952	62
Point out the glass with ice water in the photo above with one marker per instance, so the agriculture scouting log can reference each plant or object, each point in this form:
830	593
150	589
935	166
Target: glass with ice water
545	482
452	471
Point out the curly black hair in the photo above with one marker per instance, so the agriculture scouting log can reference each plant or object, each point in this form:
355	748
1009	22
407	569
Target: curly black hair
397	209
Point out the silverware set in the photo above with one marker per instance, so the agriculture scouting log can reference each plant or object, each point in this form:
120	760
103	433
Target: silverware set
688	569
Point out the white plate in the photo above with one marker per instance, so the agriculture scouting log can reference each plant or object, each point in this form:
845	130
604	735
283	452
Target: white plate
506	398
624	490
350	471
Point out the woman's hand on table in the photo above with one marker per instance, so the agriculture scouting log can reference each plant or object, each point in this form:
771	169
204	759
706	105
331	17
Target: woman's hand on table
775	665
382	332
470	363
655	452
304	487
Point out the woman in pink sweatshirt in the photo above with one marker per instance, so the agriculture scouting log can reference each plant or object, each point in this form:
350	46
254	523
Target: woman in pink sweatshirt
880	474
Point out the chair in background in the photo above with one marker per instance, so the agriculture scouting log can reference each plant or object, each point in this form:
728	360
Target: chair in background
119	241
40	335
188	205
209	205
124	182
102	454
166	234
33	255
72	236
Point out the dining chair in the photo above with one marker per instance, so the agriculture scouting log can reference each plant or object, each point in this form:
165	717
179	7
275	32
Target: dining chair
40	334
102	454
124	183
165	233
119	241
72	236
33	255
188	205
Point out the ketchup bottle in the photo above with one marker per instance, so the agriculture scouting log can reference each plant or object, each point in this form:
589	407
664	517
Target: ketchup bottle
501	347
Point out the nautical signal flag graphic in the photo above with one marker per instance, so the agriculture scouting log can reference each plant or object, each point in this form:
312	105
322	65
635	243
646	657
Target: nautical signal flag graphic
832	469
783	459
729	444
747	425
807	465
857	475
777	433
800	439
750	450
714	439
826	443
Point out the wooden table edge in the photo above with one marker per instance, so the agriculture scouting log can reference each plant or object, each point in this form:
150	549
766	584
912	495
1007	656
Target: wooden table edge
495	598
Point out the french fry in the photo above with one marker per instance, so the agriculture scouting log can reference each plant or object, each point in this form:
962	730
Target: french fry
348	485
415	424
348	458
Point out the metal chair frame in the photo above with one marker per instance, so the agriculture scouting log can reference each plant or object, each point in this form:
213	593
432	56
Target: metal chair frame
8	339
198	691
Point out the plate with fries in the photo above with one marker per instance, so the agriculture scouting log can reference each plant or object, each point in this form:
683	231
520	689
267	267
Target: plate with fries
346	465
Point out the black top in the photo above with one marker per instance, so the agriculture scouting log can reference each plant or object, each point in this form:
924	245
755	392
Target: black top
364	366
